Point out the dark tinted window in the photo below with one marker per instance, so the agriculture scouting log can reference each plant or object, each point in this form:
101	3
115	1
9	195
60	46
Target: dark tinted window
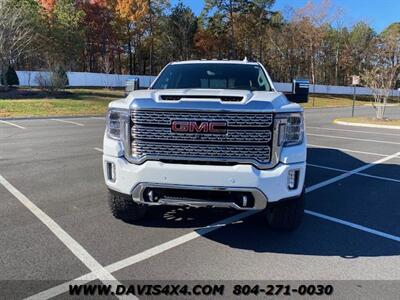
213	76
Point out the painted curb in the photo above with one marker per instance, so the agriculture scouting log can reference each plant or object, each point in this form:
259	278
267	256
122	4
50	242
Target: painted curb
387	105
366	125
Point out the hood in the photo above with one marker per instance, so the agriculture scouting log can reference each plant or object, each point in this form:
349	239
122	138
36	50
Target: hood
207	99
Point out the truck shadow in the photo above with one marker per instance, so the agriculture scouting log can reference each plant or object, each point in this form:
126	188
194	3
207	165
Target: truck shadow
356	199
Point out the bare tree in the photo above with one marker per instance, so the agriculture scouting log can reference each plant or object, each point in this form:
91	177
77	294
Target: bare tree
382	76
106	66
309	28
16	35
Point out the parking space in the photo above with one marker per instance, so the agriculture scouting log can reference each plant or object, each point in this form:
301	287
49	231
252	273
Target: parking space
250	251
351	228
31	258
389	170
362	200
27	250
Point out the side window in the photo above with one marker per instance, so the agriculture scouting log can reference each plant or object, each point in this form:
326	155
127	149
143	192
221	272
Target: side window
262	80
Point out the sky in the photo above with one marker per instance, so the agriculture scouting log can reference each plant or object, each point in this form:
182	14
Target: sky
377	13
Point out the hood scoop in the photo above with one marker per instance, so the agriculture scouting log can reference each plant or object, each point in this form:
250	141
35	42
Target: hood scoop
222	98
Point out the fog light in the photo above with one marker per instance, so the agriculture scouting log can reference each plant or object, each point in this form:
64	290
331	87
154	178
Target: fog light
244	200
150	195
293	179
111	174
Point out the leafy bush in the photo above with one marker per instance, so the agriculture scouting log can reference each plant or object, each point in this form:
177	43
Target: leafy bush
9	77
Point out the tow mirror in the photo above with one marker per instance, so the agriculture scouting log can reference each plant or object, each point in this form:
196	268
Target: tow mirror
300	89
131	85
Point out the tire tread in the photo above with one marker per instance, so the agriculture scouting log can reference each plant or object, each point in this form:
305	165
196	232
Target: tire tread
122	207
288	214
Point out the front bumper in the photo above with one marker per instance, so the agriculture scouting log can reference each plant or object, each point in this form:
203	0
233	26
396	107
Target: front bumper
266	185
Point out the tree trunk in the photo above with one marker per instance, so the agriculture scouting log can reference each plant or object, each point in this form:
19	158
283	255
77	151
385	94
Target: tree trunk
384	107
3	84
151	37
312	62
130	51
119	62
130	58
134	63
233	46
336	66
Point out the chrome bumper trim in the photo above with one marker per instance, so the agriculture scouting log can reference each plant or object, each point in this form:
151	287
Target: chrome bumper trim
260	200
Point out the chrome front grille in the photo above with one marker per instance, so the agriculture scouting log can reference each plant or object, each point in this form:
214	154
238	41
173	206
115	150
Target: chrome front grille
248	138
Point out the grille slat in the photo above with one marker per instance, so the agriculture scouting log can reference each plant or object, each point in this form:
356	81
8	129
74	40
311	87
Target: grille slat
248	137
233	119
225	152
232	136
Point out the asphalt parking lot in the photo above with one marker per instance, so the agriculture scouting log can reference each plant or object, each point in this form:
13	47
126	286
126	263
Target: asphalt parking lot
56	226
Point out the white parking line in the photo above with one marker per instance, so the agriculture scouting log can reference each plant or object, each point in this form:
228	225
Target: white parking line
347	150
176	242
358	174
69	122
357	131
98	149
62	288
57	290
99	118
354	225
12	124
350	138
349	173
97	269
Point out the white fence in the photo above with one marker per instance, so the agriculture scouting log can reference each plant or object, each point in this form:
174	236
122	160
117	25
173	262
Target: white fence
76	79
332	89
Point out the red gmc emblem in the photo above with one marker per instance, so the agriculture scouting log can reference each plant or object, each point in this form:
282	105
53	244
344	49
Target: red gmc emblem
199	126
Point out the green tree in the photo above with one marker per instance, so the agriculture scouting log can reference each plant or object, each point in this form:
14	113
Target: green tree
181	26
360	38
154	17
10	77
227	9
212	39
65	35
255	17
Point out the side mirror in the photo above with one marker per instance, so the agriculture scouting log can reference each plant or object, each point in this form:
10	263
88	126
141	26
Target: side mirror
300	89
131	85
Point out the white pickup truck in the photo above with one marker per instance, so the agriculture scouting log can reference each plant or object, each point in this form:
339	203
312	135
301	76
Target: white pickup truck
208	134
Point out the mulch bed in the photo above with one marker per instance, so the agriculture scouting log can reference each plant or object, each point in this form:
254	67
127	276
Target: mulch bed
15	93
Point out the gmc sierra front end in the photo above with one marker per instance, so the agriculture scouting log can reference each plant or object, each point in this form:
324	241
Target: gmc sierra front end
207	134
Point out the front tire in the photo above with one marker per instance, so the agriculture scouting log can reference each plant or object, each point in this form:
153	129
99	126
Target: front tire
286	215
122	207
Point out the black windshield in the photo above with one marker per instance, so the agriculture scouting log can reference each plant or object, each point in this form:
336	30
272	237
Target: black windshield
213	76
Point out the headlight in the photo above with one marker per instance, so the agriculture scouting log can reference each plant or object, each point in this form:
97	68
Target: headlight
115	123
291	130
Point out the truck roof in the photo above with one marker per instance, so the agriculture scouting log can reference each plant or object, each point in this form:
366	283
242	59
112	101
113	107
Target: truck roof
216	61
